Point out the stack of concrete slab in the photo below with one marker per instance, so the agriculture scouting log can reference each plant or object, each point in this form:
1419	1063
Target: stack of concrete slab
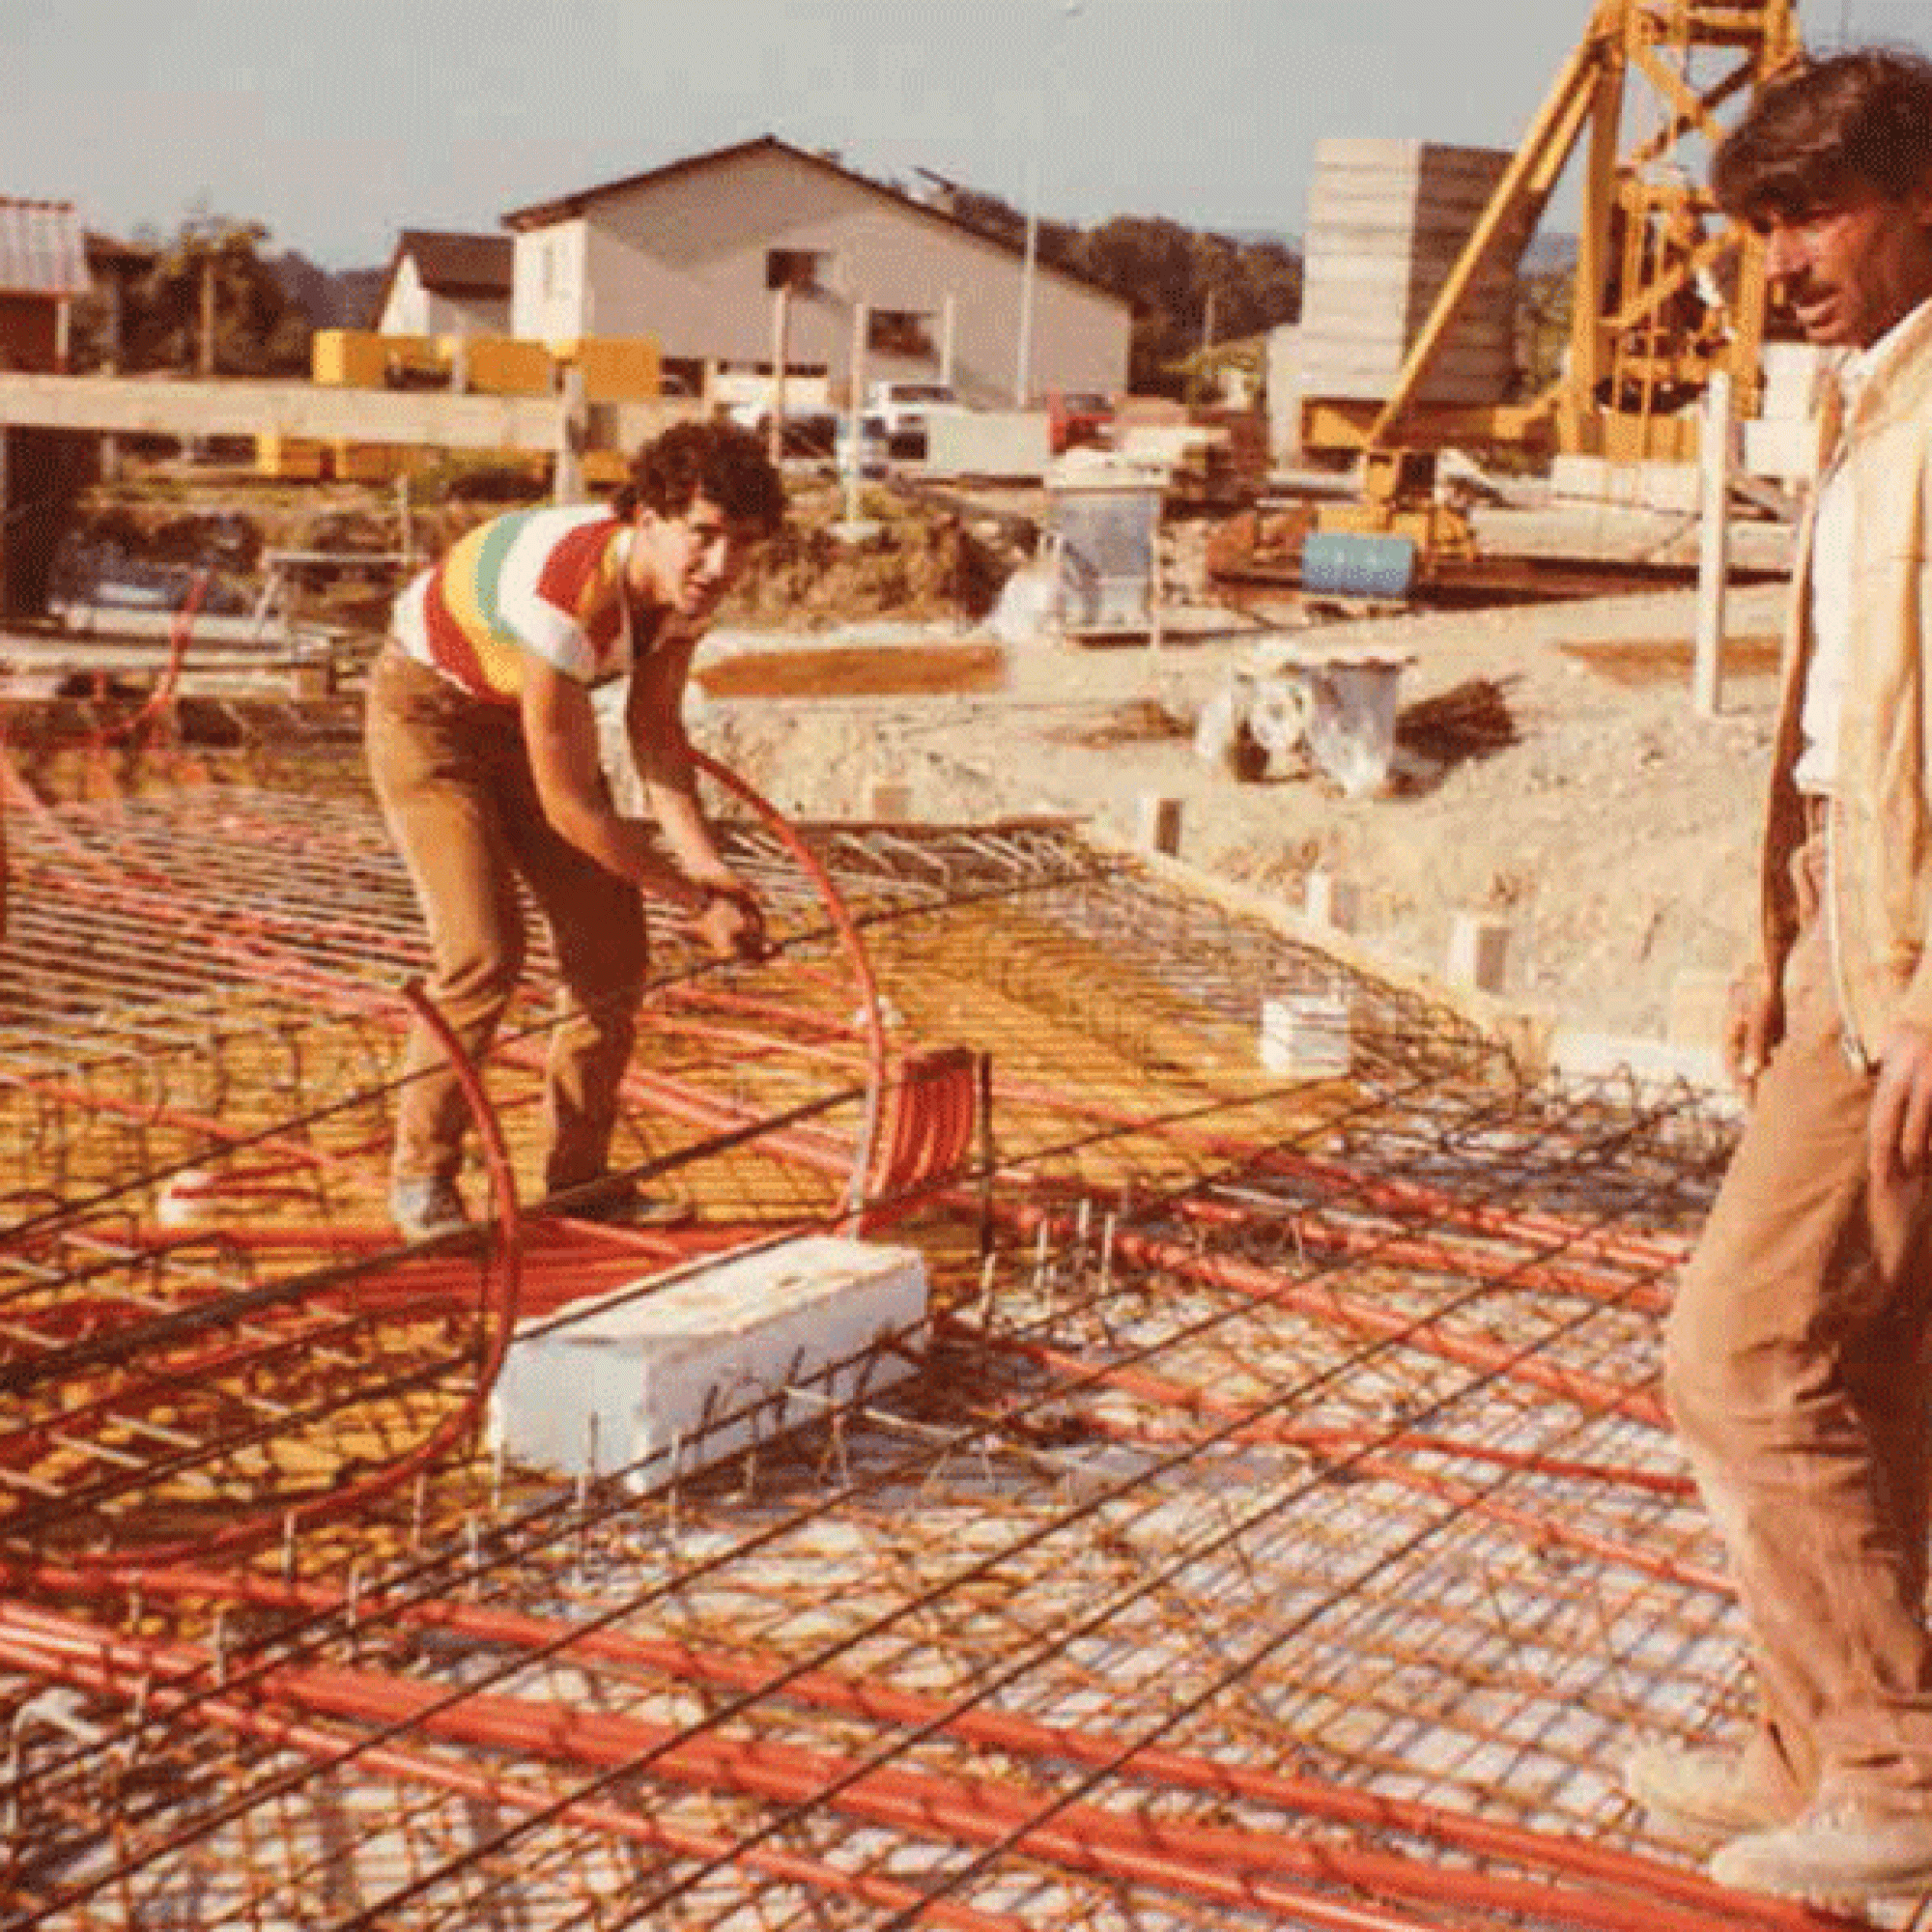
1387	221
1781	441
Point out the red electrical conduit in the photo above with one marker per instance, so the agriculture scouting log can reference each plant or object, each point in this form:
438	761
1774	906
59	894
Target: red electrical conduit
1156	1765
1539	1529
282	968
492	1786
270	960
873	1022
180	631
1235	1867
496	1295
1433	1253
1270	1288
1577	1240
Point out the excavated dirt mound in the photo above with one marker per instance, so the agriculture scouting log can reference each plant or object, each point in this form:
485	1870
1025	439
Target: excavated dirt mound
908	560
912	557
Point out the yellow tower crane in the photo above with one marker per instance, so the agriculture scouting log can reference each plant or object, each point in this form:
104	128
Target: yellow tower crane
1667	291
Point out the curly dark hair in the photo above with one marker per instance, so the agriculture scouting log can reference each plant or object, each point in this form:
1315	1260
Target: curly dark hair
717	461
1828	132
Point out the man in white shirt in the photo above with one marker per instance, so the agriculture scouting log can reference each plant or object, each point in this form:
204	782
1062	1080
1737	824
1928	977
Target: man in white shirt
1796	1358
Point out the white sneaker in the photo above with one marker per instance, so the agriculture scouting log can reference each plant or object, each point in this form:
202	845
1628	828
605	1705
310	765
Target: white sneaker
1836	1853
1710	1793
425	1207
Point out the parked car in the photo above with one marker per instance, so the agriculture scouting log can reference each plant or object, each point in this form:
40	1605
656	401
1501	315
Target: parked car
808	432
903	408
865	452
1080	418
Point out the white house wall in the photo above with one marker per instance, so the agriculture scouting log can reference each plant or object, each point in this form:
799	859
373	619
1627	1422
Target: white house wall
549	300
683	258
412	309
405	310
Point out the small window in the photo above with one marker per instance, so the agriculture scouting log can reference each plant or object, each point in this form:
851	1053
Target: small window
795	268
899	331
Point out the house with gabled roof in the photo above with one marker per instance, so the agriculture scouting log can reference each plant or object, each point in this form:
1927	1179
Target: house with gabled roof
43	270
719	255
444	282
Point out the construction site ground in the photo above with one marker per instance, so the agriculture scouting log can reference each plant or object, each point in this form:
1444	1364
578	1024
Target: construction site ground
1257	1509
1551	769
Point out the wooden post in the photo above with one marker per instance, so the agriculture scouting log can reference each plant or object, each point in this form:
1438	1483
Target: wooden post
573	419
1714	548
780	353
1158	823
1478	949
207	355
855	410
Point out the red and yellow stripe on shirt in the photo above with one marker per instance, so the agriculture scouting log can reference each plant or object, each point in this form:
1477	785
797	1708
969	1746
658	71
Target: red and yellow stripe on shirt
545	584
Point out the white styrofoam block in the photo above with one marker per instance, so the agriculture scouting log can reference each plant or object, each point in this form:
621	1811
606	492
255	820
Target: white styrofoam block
1306	1035
636	1377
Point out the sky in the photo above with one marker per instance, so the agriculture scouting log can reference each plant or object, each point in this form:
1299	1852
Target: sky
337	123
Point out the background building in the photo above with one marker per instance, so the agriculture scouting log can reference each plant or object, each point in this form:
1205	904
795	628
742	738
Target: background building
444	283
718	255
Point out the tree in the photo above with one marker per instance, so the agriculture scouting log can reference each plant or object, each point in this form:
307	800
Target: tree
1173	275
1167	273
211	305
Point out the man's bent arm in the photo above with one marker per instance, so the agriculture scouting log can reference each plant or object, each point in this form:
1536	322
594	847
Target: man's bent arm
560	733
654	721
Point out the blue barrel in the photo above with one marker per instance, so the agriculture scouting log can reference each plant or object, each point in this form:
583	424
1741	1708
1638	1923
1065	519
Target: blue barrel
1349	563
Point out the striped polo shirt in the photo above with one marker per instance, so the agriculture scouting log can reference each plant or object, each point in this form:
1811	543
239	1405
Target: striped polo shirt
547	583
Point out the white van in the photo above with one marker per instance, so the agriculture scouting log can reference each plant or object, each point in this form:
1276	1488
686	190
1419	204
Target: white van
903	408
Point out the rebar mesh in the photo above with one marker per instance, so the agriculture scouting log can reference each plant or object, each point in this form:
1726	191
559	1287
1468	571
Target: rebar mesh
1279	1527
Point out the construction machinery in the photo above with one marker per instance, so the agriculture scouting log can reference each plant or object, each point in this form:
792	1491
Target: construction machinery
1668	292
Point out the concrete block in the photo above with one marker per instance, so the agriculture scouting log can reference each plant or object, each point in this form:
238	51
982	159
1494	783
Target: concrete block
1386	223
1478	951
1159	826
1306	1035
1672	487
704	1364
1333	901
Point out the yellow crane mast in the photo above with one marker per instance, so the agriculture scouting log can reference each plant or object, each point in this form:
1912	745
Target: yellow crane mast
1666	290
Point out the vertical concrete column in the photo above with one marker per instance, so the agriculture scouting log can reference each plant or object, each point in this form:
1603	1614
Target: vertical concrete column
1478	950
1159	826
573	422
775	398
1333	901
1714	549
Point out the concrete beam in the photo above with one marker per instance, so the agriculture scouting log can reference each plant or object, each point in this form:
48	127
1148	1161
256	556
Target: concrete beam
136	405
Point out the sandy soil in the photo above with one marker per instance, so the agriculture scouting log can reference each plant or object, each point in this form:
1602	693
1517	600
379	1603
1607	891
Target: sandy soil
1553	769
1616	831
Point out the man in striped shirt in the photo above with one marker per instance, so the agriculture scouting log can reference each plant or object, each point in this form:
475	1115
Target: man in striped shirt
483	749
